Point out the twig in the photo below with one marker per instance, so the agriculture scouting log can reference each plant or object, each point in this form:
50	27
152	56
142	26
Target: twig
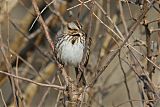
33	35
149	52
121	36
28	64
125	80
59	94
44	26
5	105
152	21
123	18
101	70
131	101
79	5
9	69
158	23
40	14
19	92
154	30
46	93
147	90
31	81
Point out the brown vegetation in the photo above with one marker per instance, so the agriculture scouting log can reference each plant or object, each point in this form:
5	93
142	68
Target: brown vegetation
124	64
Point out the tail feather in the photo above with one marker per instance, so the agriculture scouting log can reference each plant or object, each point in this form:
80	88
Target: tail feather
80	77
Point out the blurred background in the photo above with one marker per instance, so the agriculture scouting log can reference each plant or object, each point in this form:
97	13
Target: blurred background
131	79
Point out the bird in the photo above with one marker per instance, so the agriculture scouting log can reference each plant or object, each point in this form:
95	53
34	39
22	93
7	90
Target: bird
70	45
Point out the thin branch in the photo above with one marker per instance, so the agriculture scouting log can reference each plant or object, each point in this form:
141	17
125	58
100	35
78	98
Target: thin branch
123	18
125	80
5	105
119	105
9	69
44	26
31	81
40	14
101	70
79	5
46	93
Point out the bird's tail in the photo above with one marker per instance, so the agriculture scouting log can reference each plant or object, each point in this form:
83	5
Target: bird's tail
80	77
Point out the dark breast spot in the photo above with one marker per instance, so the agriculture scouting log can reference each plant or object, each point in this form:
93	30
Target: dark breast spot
73	41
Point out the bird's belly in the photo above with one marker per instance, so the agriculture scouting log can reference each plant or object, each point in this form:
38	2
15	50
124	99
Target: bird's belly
71	53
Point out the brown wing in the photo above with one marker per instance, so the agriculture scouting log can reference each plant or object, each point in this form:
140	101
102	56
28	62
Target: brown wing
57	43
79	71
86	52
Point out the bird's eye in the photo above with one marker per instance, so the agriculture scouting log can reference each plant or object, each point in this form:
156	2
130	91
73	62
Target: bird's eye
69	28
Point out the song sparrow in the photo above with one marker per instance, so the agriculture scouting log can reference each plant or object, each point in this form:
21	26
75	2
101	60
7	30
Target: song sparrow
70	42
